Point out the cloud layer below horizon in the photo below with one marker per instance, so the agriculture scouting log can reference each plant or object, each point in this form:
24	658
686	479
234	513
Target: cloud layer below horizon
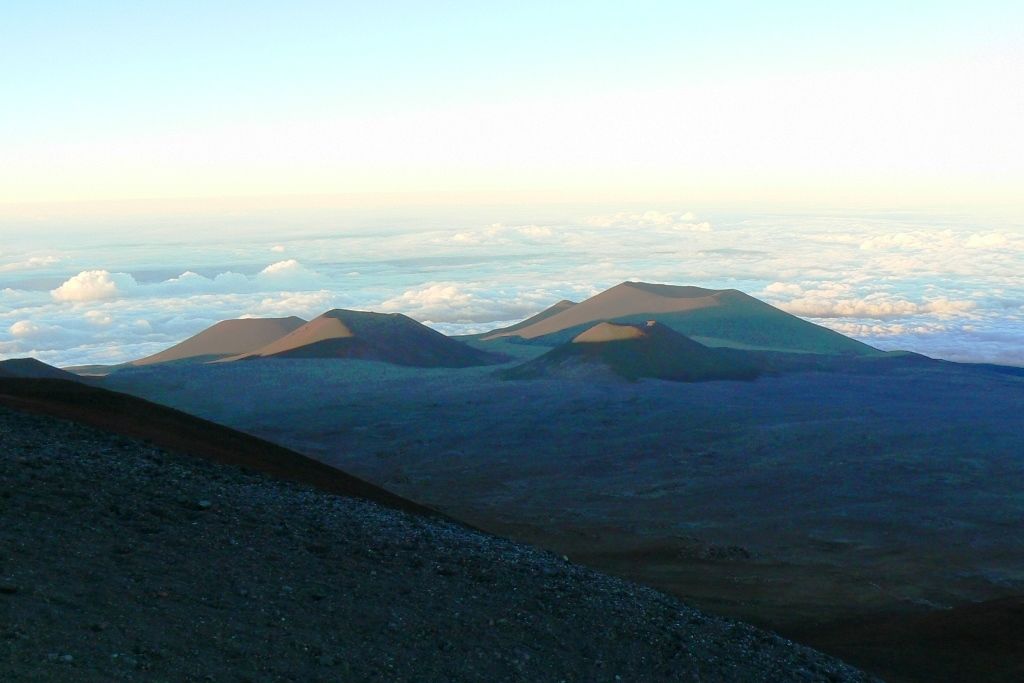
938	285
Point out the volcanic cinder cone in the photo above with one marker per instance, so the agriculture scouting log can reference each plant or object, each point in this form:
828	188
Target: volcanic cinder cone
226	338
632	352
389	337
725	317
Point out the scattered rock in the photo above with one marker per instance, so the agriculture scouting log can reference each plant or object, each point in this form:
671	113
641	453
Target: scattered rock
397	597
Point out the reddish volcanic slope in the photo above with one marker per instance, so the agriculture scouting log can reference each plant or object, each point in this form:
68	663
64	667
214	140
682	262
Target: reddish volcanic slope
548	312
387	337
227	338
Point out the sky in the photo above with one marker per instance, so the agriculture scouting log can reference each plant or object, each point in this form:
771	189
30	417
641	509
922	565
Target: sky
867	103
164	166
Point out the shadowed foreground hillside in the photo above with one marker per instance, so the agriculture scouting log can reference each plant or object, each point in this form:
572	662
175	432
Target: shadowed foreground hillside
135	417
795	501
122	561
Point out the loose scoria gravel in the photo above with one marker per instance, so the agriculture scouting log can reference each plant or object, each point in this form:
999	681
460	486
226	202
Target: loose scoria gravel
123	562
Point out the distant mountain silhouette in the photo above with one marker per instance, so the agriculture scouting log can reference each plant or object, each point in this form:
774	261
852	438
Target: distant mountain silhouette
389	337
30	368
713	317
226	338
634	351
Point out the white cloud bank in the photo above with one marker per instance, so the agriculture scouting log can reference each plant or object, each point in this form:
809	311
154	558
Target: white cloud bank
31	263
94	285
899	282
467	303
99	285
27	329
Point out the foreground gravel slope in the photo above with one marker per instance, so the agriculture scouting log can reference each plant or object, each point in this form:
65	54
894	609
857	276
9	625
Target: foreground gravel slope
120	561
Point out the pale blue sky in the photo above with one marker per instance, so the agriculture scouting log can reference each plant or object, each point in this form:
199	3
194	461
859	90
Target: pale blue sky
124	66
470	163
108	100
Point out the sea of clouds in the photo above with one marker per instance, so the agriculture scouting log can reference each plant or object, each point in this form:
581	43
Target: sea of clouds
943	285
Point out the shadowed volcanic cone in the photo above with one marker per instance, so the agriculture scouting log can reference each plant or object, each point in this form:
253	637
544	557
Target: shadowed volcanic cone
388	337
30	368
725	317
226	338
635	351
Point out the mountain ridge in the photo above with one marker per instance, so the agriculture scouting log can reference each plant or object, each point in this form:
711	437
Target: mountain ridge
725	317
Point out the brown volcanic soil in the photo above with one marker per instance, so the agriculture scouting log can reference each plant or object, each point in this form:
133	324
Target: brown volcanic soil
388	337
554	309
227	338
122	561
